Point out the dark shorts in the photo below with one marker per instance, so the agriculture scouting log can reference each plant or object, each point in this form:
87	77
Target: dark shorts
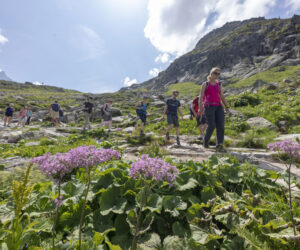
107	118
201	120
173	119
143	117
9	115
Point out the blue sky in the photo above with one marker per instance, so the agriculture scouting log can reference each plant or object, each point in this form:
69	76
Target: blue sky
102	45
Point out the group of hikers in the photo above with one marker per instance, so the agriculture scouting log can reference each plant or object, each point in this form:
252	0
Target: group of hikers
207	108
24	115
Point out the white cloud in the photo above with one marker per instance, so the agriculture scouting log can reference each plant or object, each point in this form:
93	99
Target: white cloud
153	72
87	42
128	82
176	26
37	83
3	39
163	58
294	5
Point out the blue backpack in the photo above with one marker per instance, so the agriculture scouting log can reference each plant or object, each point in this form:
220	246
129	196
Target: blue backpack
9	111
143	110
55	107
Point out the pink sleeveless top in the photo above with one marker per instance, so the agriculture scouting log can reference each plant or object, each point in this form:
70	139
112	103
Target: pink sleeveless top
211	95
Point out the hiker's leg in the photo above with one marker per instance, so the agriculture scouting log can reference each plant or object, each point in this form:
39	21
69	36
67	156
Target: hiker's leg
176	125
211	123
202	129
109	124
5	120
87	120
142	126
177	131
9	120
220	120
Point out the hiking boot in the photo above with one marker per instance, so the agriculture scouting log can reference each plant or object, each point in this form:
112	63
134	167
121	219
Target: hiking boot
220	148
142	133
168	136
177	140
205	145
199	138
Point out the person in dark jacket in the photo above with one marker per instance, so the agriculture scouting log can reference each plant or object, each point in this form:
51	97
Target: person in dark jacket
9	111
171	109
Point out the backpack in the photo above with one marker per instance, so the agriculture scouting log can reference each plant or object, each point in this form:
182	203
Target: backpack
9	111
55	107
143	110
102	110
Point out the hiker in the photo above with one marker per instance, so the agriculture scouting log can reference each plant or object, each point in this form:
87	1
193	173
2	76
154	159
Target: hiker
141	111
200	119
9	111
22	117
171	108
29	113
212	94
60	115
106	115
54	112
88	109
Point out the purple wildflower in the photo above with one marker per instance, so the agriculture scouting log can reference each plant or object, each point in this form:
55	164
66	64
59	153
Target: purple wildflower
55	166
58	202
286	146
153	168
87	156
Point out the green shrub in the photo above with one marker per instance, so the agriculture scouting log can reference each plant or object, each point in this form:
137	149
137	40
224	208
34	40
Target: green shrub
246	100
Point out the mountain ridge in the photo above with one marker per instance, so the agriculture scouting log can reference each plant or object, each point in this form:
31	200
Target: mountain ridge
240	48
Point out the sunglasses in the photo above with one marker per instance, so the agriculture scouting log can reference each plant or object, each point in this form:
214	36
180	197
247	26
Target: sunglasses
216	73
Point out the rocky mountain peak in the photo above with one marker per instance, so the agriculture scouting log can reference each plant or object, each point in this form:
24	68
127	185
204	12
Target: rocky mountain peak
240	48
3	76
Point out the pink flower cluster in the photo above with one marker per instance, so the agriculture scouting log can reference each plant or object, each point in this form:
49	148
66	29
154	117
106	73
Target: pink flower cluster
56	166
58	202
87	156
153	168
286	146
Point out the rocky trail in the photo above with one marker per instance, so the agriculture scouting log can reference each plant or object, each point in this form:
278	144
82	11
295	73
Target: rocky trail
188	150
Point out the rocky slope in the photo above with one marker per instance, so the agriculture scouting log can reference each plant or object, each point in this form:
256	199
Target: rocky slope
3	76
241	48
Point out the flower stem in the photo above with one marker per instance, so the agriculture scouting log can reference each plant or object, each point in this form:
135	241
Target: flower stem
55	219
138	220
290	198
83	207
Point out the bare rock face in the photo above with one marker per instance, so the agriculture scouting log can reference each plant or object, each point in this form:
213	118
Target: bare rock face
240	48
260	122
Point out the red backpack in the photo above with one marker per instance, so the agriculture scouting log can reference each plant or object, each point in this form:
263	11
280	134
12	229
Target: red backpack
195	103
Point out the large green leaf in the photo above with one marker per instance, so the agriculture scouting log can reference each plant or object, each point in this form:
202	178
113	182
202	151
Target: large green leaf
207	194
202	236
195	211
149	242
121	224
146	221
73	191
112	201
102	223
185	181
154	203
180	230
173	204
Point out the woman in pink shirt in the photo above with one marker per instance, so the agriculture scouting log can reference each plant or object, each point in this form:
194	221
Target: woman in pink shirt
212	94
22	117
